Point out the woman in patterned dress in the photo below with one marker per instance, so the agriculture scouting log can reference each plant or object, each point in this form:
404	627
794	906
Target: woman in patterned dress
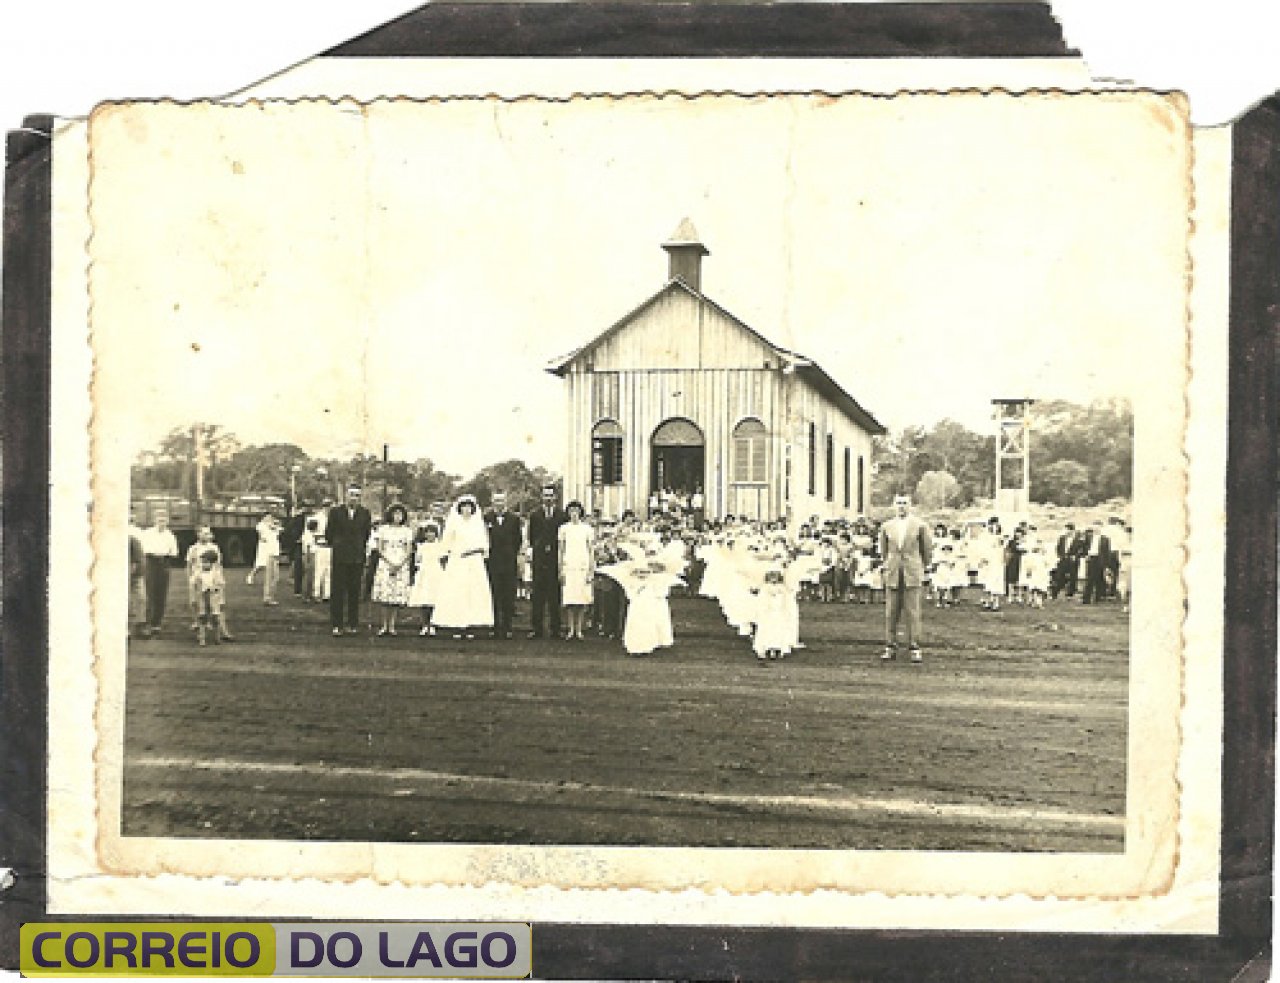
393	543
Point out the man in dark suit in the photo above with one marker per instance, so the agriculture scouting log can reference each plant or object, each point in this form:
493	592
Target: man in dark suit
544	540
1066	574
347	532
292	543
505	541
1096	550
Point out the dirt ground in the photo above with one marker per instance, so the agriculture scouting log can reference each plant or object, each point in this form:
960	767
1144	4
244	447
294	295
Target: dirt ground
1010	737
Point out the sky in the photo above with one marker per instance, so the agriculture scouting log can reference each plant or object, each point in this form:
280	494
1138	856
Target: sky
1219	52
403	274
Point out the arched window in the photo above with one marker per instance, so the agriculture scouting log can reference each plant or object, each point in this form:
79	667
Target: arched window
606	453
831	468
749	448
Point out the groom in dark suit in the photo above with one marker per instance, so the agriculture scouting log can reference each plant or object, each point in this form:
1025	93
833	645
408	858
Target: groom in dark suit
544	540
505	542
347	531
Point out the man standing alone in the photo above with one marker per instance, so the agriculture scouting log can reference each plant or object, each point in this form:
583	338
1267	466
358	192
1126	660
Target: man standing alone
505	542
160	548
907	549
347	530
544	541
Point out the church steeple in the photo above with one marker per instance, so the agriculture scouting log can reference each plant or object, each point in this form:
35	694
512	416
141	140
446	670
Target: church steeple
685	252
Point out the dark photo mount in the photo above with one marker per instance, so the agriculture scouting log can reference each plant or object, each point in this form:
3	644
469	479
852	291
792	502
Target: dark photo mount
1240	950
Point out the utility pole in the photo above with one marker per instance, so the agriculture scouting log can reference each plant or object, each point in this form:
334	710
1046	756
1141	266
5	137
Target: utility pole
197	448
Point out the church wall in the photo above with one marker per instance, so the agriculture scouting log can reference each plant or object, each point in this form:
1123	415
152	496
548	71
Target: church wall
641	400
810	406
682	358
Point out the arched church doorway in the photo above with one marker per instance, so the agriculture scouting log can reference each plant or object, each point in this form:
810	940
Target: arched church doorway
678	459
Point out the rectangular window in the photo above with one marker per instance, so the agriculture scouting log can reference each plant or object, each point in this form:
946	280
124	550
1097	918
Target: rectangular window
847	477
606	460
813	459
831	468
861	486
749	460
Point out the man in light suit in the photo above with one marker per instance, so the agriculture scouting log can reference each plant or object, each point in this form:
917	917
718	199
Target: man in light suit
907	550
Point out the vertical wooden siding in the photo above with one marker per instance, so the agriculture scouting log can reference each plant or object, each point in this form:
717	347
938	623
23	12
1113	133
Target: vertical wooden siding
681	358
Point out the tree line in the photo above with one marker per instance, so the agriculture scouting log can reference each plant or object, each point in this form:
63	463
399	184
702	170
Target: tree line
1080	455
232	469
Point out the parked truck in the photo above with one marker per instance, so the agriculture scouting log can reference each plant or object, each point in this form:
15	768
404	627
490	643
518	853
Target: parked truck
234	522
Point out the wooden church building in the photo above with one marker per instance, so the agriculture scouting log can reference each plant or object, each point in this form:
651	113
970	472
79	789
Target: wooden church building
681	396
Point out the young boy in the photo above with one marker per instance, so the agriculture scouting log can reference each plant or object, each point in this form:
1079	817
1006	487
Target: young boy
208	584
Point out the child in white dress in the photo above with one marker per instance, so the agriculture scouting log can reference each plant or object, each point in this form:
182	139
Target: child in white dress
775	629
426	579
648	624
1035	574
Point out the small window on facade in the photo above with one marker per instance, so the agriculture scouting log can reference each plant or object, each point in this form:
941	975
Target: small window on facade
750	445
831	468
861	486
606	453
813	459
848	478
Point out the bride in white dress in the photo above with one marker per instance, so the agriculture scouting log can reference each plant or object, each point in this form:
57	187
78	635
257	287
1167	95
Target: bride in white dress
464	601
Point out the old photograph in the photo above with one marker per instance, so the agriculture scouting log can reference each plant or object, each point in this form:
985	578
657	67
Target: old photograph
773	473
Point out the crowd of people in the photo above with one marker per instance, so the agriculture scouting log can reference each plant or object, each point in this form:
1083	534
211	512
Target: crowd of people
583	574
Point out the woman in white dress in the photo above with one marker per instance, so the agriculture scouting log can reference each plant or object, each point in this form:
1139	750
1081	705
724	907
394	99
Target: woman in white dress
464	602
992	566
577	569
268	558
393	545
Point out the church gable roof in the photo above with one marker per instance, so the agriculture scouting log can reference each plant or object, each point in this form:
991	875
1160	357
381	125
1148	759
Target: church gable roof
790	361
561	366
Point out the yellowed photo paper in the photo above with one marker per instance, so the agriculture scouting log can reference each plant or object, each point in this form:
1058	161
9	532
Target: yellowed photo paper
752	508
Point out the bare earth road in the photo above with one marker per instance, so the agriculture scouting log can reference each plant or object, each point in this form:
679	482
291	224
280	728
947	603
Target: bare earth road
1011	736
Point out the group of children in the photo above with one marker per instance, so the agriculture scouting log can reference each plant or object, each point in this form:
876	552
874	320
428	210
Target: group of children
1017	569
758	579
